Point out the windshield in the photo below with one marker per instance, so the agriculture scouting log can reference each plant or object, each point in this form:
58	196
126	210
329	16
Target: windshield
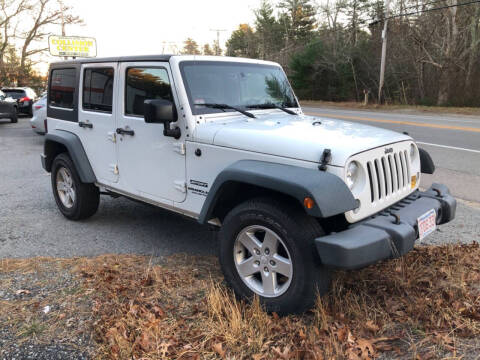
14	94
237	84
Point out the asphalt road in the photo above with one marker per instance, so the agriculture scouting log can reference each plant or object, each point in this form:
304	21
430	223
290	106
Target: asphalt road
453	141
31	225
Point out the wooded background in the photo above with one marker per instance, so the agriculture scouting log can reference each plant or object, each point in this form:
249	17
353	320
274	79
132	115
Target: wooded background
331	51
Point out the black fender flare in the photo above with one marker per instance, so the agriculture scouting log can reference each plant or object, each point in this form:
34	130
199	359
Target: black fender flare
75	149
427	165
330	193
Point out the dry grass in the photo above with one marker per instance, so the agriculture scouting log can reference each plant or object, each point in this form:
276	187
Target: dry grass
426	304
389	107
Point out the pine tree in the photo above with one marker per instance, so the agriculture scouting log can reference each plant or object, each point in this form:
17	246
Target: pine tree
298	19
268	29
243	42
190	47
207	50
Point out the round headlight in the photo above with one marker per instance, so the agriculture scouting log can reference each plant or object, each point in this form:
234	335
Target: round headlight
352	174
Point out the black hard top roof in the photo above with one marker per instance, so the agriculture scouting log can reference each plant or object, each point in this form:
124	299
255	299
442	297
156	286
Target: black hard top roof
114	59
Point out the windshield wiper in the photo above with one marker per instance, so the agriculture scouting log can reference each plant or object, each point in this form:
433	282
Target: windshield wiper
271	106
225	106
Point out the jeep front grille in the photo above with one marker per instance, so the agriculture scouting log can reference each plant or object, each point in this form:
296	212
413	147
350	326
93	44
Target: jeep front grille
388	175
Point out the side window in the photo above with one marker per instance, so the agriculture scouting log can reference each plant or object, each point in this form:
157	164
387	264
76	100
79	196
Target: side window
143	84
98	89
62	88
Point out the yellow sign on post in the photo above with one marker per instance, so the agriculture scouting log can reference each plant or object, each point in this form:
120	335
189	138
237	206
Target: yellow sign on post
72	46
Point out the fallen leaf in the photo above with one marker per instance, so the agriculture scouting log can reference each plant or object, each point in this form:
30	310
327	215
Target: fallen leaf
285	354
21	292
218	348
350	338
370	325
366	348
341	334
159	311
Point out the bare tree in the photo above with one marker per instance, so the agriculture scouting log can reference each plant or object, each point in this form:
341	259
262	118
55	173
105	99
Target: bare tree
9	9
44	13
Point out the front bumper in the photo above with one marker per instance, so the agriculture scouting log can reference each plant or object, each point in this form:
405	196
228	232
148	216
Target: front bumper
25	108
389	234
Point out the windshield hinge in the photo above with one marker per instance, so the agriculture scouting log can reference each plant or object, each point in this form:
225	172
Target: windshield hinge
112	136
179	148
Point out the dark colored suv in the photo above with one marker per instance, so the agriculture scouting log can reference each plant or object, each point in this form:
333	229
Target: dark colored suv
8	108
24	96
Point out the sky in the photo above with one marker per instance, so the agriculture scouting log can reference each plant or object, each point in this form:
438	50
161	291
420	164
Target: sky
138	27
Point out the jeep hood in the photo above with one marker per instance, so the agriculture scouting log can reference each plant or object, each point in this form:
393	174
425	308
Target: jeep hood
300	137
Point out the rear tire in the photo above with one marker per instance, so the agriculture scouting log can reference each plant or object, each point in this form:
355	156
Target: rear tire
14	117
294	233
75	200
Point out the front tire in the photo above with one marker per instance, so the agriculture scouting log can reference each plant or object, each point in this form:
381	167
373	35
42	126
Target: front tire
269	251
14	117
75	200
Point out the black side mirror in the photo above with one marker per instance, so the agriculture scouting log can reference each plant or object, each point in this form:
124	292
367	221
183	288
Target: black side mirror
162	111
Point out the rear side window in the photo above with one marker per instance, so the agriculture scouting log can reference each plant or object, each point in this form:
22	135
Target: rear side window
15	94
62	88
98	89
143	84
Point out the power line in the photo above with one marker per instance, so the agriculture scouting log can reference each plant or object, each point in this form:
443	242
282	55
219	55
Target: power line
426	10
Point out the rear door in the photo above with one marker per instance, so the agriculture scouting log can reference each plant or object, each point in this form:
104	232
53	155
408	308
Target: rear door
97	118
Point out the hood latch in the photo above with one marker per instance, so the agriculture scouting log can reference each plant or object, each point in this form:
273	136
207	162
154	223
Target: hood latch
325	159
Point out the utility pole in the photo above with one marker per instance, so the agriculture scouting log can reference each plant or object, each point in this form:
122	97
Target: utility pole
384	51
170	46
218	40
62	10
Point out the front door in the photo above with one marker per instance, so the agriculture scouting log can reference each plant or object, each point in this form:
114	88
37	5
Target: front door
151	165
97	119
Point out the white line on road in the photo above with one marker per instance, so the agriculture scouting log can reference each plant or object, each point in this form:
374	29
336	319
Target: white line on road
449	147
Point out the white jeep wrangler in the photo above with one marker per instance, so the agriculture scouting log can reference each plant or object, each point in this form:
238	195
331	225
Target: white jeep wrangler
224	140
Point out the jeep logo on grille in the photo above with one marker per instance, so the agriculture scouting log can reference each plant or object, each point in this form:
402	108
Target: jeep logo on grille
388	150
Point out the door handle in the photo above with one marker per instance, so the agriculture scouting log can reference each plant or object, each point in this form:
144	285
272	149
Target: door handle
121	131
85	124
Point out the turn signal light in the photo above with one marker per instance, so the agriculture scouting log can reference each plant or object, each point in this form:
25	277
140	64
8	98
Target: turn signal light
308	203
414	181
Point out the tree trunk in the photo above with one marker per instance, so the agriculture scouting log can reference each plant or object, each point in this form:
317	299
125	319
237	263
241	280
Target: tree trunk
446	70
472	58
443	86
